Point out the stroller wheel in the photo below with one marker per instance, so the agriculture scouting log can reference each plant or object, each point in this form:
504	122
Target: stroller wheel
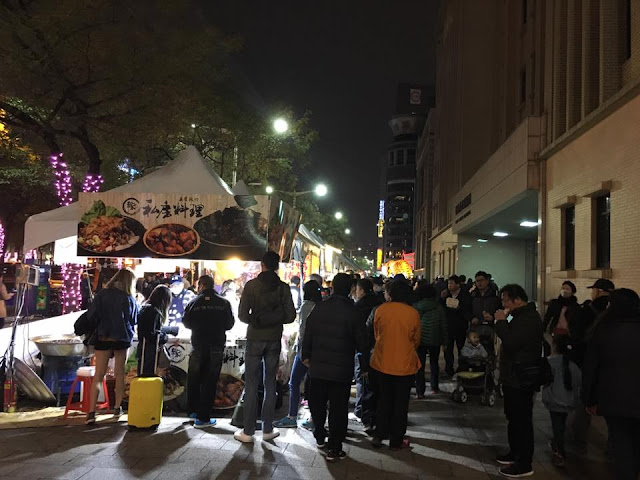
456	396
464	397
483	399
491	401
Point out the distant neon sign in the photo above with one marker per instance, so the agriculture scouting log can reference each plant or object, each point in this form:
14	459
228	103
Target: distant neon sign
381	210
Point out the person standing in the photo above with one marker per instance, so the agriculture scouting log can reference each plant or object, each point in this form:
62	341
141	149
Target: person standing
610	373
333	334
484	300
208	317
296	296
265	305
180	298
457	305
561	310
562	395
581	326
394	363
312	297
521	347
434	335
366	301
4	295
153	315
116	312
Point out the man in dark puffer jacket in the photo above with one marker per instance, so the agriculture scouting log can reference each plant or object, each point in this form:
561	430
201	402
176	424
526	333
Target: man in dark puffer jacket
334	332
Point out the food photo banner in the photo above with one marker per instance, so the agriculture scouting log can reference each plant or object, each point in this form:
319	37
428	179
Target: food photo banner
201	227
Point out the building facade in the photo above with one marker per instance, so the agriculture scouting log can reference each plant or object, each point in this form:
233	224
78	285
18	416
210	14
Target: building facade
529	165
413	102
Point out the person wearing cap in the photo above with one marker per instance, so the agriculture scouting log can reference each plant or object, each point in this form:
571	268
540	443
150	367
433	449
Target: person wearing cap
581	328
180	298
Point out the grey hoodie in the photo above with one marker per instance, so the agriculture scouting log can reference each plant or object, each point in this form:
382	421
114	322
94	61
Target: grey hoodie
555	396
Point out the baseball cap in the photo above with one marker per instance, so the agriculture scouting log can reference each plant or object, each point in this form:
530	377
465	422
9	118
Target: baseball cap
603	284
175	279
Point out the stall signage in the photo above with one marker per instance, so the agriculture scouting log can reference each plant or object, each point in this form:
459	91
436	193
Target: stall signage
174	225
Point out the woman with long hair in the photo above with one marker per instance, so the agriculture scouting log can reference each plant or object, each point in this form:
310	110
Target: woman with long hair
153	315
561	310
312	292
116	311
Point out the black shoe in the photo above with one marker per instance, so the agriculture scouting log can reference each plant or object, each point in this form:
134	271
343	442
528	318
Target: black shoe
376	442
558	460
321	444
91	418
505	459
335	455
516	471
369	429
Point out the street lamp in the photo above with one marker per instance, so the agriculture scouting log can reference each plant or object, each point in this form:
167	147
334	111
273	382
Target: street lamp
338	215
347	231
320	190
280	125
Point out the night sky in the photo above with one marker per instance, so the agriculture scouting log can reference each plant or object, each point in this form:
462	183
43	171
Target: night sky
342	61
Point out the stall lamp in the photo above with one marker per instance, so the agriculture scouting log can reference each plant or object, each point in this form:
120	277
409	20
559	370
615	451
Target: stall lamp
529	224
500	234
483	240
466	246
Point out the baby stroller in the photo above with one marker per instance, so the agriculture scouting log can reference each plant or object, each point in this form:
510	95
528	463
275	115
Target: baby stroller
476	376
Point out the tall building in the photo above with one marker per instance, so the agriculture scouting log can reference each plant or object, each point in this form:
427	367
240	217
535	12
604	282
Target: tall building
532	151
412	104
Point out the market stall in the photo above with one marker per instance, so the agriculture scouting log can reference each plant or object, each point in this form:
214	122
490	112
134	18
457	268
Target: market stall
180	218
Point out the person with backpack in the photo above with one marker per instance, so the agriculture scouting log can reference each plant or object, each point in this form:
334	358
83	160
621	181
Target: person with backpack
153	315
266	305
562	395
434	335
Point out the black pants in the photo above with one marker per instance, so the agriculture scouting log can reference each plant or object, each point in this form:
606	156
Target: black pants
518	407
337	394
365	407
392	394
558	425
202	381
624	435
434	374
457	339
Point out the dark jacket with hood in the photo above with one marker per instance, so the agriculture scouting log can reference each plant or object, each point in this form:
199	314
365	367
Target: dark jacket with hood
208	317
581	326
489	302
117	314
611	367
552	315
433	323
263	294
334	332
366	304
150	320
521	342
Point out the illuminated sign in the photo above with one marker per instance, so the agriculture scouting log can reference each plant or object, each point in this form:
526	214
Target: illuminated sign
380	228
379	259
381	210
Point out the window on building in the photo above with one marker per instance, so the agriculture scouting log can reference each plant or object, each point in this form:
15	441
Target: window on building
569	236
524	11
400	157
411	157
627	33
391	159
523	85
603	231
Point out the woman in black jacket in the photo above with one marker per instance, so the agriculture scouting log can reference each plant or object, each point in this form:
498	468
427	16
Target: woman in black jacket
609	379
561	310
152	316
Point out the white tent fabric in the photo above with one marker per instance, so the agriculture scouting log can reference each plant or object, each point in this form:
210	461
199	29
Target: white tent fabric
241	188
187	173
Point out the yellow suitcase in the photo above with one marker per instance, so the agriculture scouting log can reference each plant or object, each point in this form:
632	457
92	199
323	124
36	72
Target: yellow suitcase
145	401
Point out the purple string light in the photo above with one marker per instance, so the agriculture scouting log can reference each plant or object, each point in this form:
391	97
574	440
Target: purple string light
63	179
71	295
92	183
1	238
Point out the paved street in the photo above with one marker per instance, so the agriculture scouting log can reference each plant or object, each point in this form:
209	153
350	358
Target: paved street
447	441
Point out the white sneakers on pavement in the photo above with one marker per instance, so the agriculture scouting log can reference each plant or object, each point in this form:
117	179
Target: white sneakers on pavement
270	436
243	437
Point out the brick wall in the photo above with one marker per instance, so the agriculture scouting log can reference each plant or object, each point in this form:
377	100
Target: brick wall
610	151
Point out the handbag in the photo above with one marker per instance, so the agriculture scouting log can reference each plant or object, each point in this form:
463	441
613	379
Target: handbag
87	325
535	374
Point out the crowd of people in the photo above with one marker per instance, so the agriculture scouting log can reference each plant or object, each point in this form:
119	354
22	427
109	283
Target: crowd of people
379	334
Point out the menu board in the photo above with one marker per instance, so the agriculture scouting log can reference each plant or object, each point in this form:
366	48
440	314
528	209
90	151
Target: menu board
173	225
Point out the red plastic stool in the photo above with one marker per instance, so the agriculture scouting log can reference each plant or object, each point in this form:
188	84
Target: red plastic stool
84	376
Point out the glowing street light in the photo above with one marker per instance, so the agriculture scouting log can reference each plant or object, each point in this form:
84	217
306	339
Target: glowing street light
347	231
280	125
338	215
321	190
269	190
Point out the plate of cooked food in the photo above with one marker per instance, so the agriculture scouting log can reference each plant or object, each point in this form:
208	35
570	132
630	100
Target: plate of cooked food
105	230
233	227
172	240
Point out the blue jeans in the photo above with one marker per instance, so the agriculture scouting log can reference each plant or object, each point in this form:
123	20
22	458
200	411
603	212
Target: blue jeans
256	353
298	371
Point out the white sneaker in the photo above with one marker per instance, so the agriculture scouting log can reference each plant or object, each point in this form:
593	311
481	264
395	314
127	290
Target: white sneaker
270	436
243	437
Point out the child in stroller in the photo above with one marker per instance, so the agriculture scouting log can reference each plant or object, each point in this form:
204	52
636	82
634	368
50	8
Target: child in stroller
475	374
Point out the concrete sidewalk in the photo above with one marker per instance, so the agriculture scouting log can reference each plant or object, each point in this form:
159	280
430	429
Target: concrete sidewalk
448	441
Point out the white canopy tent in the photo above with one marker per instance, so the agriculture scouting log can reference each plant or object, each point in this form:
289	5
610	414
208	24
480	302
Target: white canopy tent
187	173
